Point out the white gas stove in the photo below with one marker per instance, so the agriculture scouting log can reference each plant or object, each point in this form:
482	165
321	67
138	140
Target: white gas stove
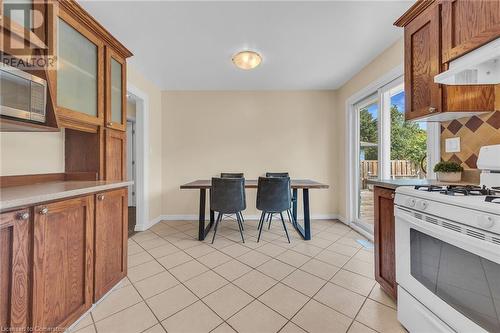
448	253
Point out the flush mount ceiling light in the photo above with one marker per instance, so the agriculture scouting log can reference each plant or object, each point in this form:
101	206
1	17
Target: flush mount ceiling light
247	60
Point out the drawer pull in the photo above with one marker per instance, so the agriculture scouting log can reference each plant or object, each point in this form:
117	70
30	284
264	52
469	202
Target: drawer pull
100	197
44	211
110	123
23	216
432	110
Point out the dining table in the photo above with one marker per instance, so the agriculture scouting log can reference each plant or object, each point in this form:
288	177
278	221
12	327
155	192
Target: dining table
204	185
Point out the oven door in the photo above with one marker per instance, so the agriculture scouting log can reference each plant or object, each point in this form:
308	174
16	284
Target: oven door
454	275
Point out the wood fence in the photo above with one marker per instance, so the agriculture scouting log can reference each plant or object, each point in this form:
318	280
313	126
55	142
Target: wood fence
399	169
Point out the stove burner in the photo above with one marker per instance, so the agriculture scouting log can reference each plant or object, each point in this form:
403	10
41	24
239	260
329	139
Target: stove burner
466	190
429	188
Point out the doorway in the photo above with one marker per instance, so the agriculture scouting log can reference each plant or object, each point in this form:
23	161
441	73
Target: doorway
131	162
383	145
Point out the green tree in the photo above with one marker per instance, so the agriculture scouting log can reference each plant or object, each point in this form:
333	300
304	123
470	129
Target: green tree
408	140
368	132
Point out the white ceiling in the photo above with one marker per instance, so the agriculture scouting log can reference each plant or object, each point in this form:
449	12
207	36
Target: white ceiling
188	45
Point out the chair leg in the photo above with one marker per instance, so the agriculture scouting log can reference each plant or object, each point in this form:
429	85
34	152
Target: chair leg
241	219
261	227
284	226
261	220
240	226
270	220
219	217
290	217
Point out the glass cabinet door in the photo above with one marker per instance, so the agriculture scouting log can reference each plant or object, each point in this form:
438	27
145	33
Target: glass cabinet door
115	110
116	91
78	72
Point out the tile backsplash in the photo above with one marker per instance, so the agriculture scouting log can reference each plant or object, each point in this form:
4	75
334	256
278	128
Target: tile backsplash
474	132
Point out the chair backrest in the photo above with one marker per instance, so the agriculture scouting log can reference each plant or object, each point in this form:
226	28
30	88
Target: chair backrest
231	175
277	174
227	195
273	194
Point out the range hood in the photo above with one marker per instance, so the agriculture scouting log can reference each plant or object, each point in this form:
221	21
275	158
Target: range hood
481	66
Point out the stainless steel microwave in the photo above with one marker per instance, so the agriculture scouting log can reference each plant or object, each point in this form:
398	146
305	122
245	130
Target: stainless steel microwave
22	95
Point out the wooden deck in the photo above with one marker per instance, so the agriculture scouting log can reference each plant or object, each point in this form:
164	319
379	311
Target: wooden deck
367	206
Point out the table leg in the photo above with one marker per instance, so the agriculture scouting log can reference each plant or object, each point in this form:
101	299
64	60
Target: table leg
307	217
201	219
294	206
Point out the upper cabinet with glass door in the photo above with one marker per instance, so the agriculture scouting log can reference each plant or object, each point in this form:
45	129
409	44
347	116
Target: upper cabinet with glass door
116	115
79	82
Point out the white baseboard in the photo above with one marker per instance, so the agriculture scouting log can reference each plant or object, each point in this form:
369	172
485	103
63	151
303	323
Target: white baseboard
143	227
246	217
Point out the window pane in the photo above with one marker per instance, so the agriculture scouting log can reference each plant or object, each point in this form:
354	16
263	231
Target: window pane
408	142
368	159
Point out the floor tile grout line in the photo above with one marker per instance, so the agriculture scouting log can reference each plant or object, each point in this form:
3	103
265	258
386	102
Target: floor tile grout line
278	281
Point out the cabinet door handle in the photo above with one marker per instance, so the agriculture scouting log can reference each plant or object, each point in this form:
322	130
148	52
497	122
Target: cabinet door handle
44	211
23	216
110	123
392	195
100	197
432	109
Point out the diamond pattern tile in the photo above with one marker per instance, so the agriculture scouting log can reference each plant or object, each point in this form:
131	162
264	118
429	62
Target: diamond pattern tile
474	123
494	120
454	126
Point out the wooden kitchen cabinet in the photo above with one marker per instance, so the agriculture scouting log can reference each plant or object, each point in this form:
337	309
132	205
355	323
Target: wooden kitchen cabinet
115	162
116	100
62	261
15	269
111	232
467	25
79	79
384	237
421	64
435	33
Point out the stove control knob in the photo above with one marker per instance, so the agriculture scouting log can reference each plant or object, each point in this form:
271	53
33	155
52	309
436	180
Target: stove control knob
411	202
485	221
422	205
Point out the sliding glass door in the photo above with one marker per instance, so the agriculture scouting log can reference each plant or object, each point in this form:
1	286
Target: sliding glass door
368	149
386	147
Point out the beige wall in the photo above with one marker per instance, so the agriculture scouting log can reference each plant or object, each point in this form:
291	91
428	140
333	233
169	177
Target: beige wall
386	61
155	140
29	153
207	132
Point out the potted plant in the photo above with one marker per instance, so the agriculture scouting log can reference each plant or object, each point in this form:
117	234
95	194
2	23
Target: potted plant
448	171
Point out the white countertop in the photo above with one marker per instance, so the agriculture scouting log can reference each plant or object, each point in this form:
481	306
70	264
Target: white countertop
27	195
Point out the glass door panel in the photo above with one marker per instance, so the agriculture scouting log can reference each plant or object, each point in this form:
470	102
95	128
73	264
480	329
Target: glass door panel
368	161
408	141
116	91
77	72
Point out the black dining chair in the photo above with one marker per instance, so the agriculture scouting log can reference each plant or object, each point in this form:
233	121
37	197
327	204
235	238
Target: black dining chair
233	175
228	197
289	213
273	197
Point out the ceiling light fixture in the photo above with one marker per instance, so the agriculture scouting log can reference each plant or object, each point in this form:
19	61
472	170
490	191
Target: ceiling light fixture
247	60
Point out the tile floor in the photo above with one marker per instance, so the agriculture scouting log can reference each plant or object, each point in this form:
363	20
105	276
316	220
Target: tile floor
178	284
